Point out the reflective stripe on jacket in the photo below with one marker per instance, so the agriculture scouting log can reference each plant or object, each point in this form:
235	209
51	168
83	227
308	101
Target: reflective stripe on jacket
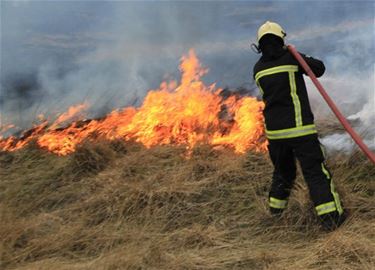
287	109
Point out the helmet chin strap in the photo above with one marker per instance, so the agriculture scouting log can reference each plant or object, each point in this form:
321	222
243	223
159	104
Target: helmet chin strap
255	48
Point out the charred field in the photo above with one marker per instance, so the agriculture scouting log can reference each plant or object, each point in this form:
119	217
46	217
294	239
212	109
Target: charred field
119	205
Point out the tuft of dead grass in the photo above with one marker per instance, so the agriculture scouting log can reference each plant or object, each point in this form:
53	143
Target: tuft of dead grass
117	205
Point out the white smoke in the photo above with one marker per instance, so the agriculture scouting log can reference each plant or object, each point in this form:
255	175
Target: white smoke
355	99
366	116
350	81
120	50
338	142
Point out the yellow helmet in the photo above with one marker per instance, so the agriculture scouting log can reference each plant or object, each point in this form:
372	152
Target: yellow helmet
270	28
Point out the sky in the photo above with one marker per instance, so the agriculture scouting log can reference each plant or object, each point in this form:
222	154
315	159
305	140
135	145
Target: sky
58	53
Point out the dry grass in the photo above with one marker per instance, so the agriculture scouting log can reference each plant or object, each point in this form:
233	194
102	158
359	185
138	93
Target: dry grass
119	206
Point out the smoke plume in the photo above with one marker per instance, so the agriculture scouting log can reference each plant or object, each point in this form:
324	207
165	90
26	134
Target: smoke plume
109	54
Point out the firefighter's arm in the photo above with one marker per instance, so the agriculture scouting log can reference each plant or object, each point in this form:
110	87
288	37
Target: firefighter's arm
316	65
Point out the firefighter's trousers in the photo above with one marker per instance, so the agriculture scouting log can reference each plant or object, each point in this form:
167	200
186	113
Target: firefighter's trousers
308	151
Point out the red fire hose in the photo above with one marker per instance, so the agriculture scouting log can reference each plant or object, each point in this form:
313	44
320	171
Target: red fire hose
331	104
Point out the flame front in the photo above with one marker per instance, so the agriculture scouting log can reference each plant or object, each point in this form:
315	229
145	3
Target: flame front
183	114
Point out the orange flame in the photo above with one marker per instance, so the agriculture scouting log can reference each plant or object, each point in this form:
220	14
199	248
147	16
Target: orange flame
74	112
184	114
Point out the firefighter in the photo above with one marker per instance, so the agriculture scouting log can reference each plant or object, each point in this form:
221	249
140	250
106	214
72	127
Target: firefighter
290	129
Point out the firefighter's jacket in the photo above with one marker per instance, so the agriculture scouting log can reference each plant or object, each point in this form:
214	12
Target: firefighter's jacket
287	110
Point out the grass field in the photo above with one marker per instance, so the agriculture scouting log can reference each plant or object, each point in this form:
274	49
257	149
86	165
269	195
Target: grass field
117	205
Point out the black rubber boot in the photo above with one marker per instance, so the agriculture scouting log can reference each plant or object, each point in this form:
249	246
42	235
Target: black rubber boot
275	212
333	220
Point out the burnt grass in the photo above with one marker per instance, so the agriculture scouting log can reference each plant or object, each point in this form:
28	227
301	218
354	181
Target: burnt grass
118	205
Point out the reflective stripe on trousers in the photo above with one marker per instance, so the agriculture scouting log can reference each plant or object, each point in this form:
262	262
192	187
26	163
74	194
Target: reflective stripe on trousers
325	208
277	203
335	195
